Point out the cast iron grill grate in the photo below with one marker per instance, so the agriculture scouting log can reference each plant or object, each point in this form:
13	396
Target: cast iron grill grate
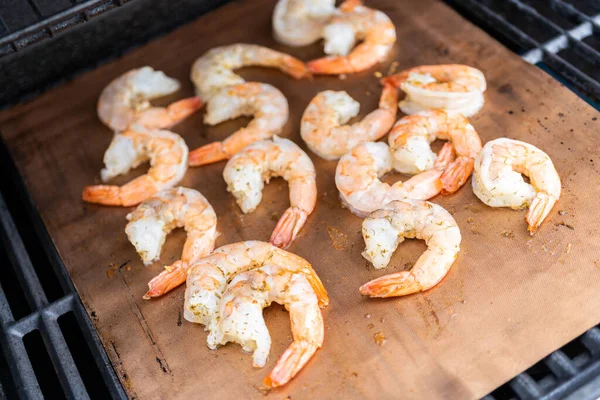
561	36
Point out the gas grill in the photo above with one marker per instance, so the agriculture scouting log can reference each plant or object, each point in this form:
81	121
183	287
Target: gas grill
48	345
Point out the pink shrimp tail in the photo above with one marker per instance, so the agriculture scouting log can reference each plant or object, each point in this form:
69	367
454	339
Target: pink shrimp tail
182	109
456	174
107	195
290	363
389	98
295	68
167	280
398	284
538	211
331	66
207	154
288	227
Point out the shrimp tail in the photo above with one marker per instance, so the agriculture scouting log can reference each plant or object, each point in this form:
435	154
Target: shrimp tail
207	154
182	109
538	211
445	157
389	98
290	363
295	68
290	223
167	280
398	284
331	66
393	80
319	289
108	195
456	174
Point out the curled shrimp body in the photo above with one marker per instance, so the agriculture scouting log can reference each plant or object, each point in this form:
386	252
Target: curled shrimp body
498	182
207	281
167	153
265	103
323	126
126	100
152	221
350	23
451	87
358	174
301	22
387	227
410	138
247	171
213	71
242	319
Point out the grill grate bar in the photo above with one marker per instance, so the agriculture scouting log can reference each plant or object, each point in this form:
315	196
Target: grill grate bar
561	365
29	281
21	368
525	387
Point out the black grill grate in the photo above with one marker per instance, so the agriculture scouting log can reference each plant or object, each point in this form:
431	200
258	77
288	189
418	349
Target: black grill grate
34	327
562	35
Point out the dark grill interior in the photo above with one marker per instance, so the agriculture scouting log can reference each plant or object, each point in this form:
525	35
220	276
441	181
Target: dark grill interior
47	338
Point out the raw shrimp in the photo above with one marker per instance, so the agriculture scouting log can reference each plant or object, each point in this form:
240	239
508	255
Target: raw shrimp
247	171
497	179
208	277
152	221
213	71
242	319
354	22
323	129
410	138
167	153
451	87
301	22
265	102
125	101
358	172
387	227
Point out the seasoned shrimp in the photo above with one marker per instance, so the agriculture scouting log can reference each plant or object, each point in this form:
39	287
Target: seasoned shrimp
208	277
265	102
323	123
247	171
354	22
301	22
410	138
387	227
126	100
497	179
452	87
358	172
152	221
213	71
242	319
167	153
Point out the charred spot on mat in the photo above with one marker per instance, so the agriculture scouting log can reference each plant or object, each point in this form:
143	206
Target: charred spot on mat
163	365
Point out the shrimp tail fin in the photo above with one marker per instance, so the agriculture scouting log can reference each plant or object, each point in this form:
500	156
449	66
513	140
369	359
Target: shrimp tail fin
288	227
389	98
319	289
182	109
538	211
330	66
393	80
167	280
445	157
207	154
290	363
456	174
108	195
295	68
398	284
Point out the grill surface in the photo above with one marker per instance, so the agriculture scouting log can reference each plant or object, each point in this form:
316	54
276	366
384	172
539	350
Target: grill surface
43	325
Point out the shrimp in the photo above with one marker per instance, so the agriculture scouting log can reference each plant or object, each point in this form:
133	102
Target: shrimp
387	227
451	87
358	172
213	71
167	153
497	179
410	138
125	101
152	221
258	163
265	102
301	22
208	277
242	319
354	22
323	129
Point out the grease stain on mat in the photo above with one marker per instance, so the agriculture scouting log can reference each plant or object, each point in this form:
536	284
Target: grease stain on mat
339	240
